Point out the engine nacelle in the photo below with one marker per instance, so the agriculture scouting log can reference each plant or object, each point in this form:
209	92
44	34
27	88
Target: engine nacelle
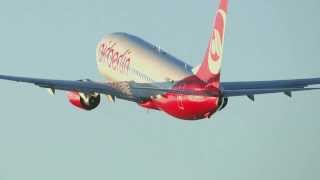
84	101
223	102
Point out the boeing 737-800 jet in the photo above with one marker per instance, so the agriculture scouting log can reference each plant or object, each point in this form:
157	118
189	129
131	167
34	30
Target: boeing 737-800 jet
138	71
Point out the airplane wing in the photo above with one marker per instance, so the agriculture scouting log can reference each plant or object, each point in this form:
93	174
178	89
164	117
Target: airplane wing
250	89
127	90
136	92
86	86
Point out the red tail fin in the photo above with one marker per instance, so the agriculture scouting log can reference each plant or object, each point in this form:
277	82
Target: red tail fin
209	70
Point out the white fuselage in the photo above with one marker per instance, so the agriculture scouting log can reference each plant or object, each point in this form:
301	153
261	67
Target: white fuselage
124	57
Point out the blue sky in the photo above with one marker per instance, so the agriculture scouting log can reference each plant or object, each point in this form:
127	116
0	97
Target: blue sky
43	137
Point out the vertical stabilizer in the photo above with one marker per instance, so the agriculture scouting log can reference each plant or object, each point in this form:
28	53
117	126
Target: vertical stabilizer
209	70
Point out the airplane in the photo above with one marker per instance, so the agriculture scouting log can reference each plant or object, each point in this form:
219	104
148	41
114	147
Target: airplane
137	71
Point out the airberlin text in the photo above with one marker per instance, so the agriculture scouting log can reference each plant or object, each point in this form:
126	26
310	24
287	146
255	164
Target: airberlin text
114	59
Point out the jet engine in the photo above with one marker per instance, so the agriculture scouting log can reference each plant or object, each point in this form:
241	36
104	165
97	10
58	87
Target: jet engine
84	101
